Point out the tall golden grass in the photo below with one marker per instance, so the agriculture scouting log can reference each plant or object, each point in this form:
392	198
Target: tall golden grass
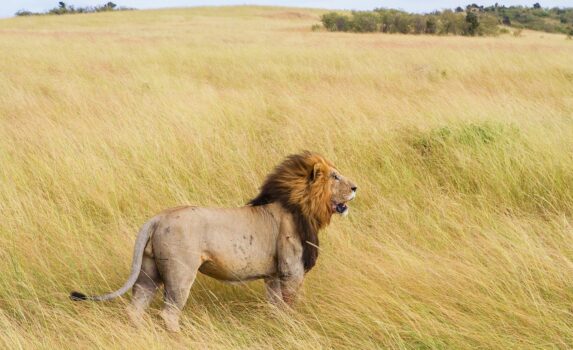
461	235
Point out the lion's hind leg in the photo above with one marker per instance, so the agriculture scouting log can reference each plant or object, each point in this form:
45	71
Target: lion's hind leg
178	280
144	289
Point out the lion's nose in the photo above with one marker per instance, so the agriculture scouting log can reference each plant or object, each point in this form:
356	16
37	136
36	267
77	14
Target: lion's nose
353	188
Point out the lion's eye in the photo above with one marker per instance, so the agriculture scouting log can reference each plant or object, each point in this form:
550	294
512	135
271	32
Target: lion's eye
336	177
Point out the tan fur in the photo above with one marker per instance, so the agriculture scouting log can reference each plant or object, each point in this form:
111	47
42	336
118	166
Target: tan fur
275	238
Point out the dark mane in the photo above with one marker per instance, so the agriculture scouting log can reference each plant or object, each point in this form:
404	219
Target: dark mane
307	231
293	184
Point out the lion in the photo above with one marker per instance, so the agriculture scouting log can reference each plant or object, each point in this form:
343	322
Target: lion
274	237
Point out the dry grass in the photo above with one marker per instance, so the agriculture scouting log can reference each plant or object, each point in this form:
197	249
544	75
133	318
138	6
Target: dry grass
462	233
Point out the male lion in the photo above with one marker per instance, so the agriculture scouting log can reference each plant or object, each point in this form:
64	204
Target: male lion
274	237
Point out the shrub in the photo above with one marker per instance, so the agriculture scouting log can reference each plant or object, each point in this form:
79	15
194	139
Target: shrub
110	6
365	21
431	25
488	26
420	25
24	13
335	22
449	23
401	24
472	24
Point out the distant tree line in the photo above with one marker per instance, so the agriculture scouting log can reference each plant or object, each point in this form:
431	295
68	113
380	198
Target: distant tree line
63	9
471	21
552	20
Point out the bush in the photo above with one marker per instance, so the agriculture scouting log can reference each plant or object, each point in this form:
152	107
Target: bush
488	26
449	23
420	25
335	22
110	6
401	24
24	13
365	21
472	24
431	26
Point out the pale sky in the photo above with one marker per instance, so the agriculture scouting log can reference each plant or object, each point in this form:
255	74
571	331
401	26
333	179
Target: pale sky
9	7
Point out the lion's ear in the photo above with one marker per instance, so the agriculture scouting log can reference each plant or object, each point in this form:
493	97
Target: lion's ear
316	171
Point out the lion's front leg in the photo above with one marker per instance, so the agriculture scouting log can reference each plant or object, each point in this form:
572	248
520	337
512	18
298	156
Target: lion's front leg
290	285
290	265
273	289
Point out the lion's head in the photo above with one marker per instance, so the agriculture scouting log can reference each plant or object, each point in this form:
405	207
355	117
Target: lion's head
312	189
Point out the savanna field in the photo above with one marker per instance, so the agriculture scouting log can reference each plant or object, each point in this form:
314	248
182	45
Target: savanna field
461	235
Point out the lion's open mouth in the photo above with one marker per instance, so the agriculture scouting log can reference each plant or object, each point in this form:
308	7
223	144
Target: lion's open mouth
340	208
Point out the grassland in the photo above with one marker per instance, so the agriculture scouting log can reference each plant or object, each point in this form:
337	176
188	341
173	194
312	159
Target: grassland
461	235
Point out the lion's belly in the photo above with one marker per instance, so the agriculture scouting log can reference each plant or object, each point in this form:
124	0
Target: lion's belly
236	273
239	254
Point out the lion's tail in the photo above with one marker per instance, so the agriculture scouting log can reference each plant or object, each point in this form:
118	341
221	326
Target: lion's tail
140	243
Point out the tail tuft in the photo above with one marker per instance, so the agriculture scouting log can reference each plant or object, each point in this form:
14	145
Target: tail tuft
77	296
